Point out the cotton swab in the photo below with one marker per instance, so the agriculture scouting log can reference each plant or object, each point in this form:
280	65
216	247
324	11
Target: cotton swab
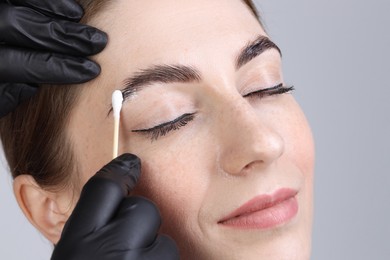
117	100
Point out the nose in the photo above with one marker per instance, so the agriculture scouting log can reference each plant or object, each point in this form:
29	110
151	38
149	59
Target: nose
247	138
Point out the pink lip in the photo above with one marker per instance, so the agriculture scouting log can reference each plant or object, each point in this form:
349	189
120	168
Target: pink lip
264	211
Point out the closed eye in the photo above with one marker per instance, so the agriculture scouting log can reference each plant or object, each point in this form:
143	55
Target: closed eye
161	130
276	90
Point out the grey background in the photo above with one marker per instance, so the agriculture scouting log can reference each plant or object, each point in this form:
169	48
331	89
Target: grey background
336	54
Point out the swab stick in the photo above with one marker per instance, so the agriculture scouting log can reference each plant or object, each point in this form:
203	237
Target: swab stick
117	99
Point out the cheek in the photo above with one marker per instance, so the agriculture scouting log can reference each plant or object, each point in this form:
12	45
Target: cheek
293	127
173	179
299	143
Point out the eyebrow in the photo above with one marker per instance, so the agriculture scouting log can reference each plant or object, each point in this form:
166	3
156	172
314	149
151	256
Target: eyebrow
160	74
187	74
254	49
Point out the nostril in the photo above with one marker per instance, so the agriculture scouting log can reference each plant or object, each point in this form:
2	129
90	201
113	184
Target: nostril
251	165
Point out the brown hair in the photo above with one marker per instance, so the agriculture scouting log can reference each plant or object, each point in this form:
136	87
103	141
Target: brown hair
34	136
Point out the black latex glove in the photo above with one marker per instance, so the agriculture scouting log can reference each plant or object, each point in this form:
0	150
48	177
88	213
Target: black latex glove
41	42
106	224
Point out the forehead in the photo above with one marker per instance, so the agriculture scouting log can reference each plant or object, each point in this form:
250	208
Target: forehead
157	31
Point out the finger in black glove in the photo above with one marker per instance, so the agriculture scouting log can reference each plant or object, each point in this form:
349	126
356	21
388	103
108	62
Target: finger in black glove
41	42
108	224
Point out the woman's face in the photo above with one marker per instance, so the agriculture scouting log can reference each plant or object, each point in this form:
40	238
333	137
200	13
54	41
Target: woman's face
213	128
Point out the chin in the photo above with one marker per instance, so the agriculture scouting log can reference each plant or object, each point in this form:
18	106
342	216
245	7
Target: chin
273	246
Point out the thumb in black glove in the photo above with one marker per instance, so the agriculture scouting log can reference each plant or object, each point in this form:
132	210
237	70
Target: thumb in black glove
41	42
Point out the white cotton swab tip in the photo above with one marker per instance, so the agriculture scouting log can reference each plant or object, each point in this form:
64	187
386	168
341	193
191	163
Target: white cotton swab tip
117	100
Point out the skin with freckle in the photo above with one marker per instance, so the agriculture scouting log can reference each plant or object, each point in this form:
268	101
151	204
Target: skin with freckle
233	149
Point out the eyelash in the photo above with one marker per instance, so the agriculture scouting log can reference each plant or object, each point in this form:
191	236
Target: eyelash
275	90
161	130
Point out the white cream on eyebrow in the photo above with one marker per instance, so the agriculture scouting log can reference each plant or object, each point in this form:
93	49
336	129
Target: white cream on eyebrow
117	100
133	96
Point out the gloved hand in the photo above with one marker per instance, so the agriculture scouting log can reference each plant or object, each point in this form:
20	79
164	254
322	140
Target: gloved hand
107	224
41	42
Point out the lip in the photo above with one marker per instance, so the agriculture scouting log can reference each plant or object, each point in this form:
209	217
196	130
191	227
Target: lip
264	211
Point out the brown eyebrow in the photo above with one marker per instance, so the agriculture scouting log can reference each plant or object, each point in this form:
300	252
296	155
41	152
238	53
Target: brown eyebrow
254	49
160	74
187	74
